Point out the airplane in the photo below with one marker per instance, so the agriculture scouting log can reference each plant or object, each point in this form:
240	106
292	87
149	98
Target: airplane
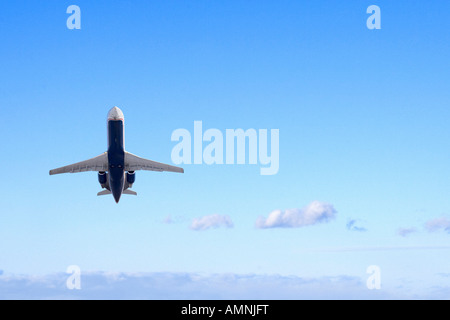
116	167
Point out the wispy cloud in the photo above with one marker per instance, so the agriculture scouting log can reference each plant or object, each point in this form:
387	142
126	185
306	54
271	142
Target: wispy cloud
171	219
211	221
403	232
351	226
168	219
437	224
315	212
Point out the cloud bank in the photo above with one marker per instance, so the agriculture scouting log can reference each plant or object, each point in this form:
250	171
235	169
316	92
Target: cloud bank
315	212
185	286
211	221
194	286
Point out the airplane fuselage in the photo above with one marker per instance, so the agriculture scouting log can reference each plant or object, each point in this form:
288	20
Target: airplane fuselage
116	157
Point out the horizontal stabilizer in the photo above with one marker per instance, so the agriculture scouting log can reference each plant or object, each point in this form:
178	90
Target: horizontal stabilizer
103	193
131	192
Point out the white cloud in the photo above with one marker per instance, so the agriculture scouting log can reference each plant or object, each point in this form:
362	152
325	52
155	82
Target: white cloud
315	212
438	224
211	221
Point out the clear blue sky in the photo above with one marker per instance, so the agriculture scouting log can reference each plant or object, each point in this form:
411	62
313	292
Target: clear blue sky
362	114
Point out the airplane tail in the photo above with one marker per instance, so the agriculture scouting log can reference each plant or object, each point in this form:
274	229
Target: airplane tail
103	193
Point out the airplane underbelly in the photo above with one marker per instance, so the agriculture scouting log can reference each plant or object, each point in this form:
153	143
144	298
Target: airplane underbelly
116	182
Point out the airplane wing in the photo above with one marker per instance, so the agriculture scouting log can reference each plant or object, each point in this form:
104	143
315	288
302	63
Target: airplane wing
99	163
134	163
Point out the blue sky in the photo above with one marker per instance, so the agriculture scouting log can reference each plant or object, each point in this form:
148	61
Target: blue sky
363	121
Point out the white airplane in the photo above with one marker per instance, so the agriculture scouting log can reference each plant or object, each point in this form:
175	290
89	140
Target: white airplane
116	167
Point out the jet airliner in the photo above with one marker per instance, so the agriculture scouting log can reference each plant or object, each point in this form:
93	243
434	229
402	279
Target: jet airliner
116	167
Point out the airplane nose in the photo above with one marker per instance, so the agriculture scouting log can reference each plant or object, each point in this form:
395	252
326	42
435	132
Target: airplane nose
115	114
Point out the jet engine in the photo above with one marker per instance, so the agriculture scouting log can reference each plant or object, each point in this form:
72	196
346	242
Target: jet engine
131	177
103	179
